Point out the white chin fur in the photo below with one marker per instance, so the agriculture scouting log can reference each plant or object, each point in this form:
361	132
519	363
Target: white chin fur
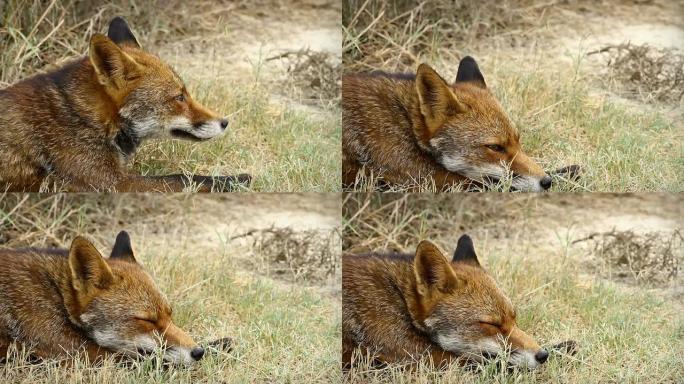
527	184
208	130
174	355
178	355
491	345
473	350
112	340
523	359
459	165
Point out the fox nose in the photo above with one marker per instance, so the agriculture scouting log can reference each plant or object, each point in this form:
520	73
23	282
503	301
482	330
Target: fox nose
224	123
541	356
197	353
545	182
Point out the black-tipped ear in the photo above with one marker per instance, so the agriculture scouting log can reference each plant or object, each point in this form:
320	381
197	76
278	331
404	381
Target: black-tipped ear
469	71
89	271
465	251
122	248
121	33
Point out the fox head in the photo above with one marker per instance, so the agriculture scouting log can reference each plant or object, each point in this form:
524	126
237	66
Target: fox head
463	310
150	97
468	133
120	308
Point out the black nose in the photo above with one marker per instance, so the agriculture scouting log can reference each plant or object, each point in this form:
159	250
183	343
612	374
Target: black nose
197	353
541	356
224	123
545	182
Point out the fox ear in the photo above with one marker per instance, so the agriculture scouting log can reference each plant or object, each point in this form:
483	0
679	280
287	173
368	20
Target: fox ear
122	248
468	71
89	270
432	270
112	65
437	101
465	251
121	33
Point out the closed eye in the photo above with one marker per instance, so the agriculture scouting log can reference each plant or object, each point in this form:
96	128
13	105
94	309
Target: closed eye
180	98
496	147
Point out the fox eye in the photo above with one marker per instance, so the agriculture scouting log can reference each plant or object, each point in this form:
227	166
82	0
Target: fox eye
180	98
496	147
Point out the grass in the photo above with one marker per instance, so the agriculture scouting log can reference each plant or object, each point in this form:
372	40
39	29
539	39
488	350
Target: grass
624	334
287	143
283	330
566	106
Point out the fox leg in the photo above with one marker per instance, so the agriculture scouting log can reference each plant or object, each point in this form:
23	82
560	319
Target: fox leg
445	179
349	170
4	346
442	178
105	170
176	183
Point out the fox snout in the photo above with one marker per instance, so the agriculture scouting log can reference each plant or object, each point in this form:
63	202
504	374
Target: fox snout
528	176
202	124
180	347
525	352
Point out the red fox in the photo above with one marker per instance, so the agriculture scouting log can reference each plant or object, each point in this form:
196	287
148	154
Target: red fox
60	303
402	307
82	123
407	128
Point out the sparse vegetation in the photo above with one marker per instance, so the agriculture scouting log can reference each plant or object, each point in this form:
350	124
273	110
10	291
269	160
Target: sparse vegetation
284	132
567	104
646	73
529	245
282	330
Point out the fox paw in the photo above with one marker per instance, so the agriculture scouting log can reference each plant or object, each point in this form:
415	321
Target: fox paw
232	183
223	183
568	347
571	172
221	345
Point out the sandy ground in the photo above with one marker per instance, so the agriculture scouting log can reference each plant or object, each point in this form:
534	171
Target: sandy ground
249	49
554	223
217	222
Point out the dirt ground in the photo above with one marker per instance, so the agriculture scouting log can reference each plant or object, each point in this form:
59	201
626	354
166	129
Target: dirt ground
261	45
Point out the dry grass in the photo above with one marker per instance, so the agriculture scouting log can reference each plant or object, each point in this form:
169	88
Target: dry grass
214	287
283	146
556	98
526	243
